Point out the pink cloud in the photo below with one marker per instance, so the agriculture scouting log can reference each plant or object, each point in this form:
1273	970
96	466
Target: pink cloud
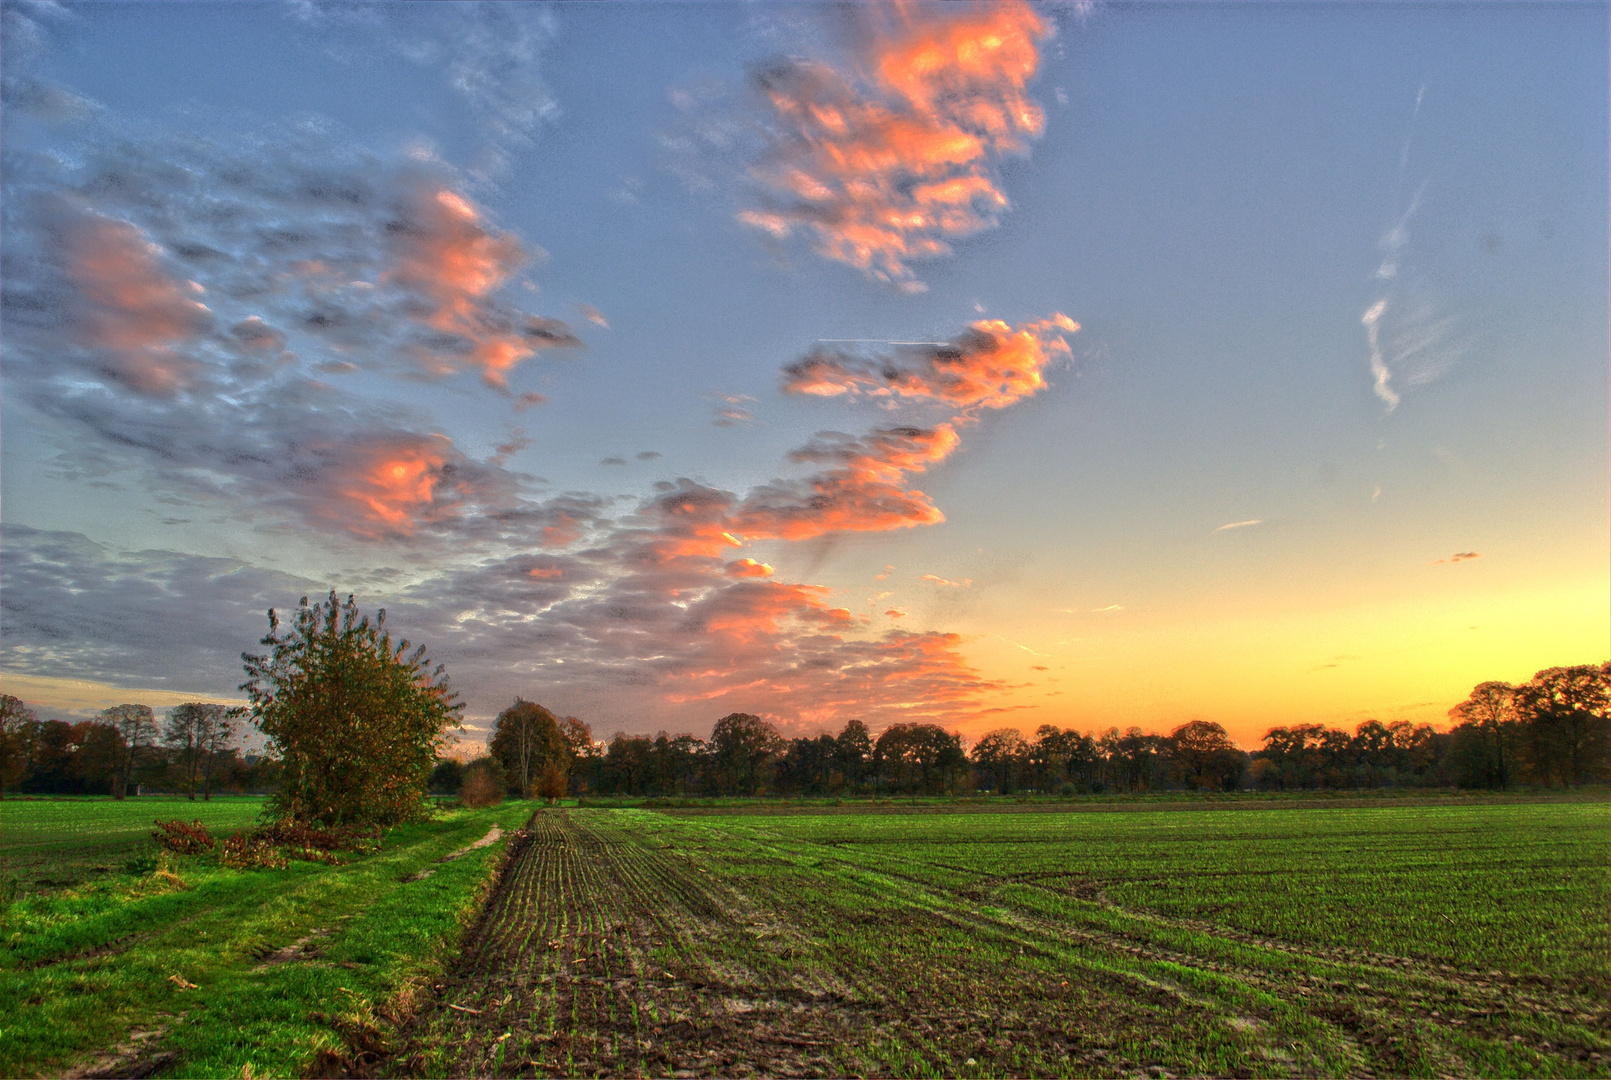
882	166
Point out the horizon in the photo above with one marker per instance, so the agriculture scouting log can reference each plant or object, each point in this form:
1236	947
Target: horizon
983	365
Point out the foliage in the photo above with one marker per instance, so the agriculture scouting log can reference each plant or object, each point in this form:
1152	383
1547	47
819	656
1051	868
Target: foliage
182	839
357	722
526	740
249	852
743	748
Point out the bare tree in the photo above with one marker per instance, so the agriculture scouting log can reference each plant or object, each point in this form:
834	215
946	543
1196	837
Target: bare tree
182	735
217	736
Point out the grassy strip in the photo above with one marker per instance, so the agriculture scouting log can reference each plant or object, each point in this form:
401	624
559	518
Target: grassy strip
198	970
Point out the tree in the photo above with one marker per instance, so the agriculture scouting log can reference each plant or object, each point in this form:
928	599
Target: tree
182	735
742	747
526	738
357	722
217	738
853	748
137	726
1491	712
16	727
1205	755
1001	754
1567	713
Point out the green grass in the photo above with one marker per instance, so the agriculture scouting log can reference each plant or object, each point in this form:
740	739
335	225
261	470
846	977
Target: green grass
49	844
100	971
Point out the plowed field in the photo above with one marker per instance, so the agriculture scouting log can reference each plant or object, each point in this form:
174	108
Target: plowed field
628	943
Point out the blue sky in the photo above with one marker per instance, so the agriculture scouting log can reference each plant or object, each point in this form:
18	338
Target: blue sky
1218	195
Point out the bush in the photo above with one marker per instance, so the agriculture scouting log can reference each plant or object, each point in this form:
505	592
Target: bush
481	788
182	839
357	722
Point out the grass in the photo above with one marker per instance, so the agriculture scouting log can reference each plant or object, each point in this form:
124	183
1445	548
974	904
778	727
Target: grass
49	844
193	969
1407	940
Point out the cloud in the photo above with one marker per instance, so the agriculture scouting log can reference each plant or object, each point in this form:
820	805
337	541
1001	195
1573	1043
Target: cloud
653	611
451	264
943	583
1408	339
648	455
992	365
593	315
1110	607
174	304
731	416
886	158
121	307
333	255
487	55
1459	556
1240	524
613	461
895	613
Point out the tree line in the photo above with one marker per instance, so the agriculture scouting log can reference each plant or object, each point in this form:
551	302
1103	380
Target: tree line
194	751
1552	731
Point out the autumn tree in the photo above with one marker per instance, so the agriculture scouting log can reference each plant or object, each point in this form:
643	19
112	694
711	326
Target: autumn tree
357	721
527	740
16	726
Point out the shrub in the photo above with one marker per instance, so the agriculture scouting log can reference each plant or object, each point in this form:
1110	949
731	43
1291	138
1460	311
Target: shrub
481	788
182	839
357	722
247	852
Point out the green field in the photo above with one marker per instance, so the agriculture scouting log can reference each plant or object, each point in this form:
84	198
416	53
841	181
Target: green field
47	844
1453	939
1458	940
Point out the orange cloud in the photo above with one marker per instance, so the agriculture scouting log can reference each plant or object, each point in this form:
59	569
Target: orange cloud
452	263
862	493
883	168
1459	556
389	484
127	307
748	568
991	366
944	583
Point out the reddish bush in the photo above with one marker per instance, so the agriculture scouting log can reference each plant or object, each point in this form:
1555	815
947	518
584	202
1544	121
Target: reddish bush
176	836
480	788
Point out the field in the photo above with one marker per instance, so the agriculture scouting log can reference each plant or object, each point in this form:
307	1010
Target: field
1452	940
48	844
184	967
1464	938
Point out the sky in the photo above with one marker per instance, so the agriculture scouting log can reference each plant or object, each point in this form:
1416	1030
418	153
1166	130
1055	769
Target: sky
1004	365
